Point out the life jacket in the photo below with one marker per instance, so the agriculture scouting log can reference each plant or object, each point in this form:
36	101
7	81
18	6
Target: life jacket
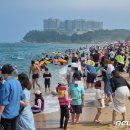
61	95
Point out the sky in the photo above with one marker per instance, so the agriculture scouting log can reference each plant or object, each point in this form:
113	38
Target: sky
17	17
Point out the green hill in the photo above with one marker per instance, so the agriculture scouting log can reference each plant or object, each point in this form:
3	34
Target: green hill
99	35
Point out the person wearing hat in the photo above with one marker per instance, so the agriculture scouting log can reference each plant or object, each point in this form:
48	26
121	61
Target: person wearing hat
91	74
64	102
10	95
39	102
70	73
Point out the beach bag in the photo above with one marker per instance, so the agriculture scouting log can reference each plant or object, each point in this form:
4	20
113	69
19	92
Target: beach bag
1	127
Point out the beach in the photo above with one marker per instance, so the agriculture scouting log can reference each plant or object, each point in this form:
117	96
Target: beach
51	121
50	118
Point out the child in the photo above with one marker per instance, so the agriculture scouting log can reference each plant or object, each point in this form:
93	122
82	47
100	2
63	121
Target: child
47	77
64	102
99	100
128	69
39	102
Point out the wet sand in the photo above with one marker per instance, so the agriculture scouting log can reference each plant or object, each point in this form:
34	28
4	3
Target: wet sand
51	121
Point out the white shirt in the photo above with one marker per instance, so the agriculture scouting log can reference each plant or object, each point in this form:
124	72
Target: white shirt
110	68
112	54
99	95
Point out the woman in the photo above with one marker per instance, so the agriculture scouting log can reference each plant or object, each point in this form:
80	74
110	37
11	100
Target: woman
120	88
108	89
25	120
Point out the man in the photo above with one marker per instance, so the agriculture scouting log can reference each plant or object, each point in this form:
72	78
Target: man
91	75
35	74
76	92
10	96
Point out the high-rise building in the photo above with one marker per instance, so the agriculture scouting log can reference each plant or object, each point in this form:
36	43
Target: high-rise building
71	26
51	24
79	25
93	25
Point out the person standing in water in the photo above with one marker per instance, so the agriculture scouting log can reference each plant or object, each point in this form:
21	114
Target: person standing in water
47	77
34	69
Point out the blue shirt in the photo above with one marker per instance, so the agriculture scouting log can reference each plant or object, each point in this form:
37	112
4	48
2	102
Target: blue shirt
10	95
91	69
76	93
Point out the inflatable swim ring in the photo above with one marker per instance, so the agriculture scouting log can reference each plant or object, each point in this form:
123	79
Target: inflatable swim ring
62	61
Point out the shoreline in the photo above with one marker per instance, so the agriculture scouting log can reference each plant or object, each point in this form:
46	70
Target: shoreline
48	121
51	121
62	42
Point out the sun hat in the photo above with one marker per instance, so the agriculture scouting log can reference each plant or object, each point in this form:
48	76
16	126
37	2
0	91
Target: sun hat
38	92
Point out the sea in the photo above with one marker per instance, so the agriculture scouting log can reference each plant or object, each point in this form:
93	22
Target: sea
21	54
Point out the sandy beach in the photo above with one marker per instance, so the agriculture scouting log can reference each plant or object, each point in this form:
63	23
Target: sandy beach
51	121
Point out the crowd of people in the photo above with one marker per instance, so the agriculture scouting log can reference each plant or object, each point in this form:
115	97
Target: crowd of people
87	69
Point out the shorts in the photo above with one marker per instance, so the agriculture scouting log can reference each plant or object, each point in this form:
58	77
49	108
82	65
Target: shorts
35	76
108	89
91	78
76	109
